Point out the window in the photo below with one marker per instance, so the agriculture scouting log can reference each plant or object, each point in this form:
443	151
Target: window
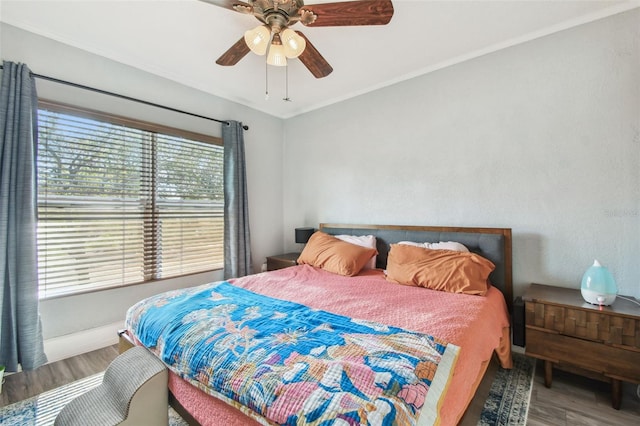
123	202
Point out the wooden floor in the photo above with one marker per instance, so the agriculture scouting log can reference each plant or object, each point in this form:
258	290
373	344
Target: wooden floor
576	400
572	400
26	384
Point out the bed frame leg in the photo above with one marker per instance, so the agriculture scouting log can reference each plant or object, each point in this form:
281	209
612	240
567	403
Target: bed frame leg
124	341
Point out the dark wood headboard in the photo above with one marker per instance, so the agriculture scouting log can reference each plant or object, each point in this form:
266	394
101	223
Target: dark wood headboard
491	243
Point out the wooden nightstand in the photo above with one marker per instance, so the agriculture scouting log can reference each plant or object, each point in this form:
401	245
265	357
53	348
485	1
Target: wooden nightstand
570	334
282	261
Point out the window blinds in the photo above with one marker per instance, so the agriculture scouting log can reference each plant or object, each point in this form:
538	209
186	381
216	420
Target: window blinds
118	205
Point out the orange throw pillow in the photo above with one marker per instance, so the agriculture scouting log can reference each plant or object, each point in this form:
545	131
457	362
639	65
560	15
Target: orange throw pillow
444	270
331	254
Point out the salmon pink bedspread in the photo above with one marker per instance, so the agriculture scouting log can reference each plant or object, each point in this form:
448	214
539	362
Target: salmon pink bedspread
478	325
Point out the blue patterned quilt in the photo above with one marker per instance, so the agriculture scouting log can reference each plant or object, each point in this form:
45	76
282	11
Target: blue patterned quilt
284	363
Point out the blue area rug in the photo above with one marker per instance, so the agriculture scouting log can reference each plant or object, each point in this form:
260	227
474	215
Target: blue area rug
41	410
508	400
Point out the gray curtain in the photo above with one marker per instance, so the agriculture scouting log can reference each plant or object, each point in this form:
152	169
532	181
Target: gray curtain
237	244
21	330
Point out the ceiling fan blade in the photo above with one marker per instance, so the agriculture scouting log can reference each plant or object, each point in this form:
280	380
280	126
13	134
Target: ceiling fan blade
363	12
228	4
313	60
236	52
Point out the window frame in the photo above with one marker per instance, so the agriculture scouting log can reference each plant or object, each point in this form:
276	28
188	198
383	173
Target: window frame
129	122
154	128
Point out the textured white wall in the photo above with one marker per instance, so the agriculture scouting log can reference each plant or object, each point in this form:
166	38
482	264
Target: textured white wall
543	138
263	143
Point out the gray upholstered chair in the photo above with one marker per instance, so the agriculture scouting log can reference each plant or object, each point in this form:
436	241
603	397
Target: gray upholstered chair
133	392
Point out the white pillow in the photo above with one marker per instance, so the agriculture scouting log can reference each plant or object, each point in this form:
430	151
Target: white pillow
442	245
449	245
368	241
413	243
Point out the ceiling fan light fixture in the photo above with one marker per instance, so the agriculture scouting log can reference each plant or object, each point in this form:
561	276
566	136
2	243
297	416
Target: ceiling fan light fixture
293	44
258	39
276	56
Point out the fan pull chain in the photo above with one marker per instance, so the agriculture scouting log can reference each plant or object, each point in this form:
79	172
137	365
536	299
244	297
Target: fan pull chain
286	82
266	81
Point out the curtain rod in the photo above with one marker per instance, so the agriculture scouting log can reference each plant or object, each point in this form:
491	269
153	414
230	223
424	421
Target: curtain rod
104	92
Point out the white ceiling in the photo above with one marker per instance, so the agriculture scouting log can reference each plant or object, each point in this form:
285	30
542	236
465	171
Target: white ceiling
181	39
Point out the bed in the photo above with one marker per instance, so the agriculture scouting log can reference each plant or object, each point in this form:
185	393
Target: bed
429	349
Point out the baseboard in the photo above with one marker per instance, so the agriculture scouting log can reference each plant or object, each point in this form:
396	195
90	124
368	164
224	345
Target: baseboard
69	345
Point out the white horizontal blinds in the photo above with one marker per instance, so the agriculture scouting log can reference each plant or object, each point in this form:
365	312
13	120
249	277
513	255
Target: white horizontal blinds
189	202
103	218
92	192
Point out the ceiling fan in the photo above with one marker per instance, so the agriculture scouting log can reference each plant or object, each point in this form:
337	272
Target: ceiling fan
275	38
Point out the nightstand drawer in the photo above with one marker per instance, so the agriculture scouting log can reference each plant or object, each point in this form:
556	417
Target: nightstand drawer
590	325
610	361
